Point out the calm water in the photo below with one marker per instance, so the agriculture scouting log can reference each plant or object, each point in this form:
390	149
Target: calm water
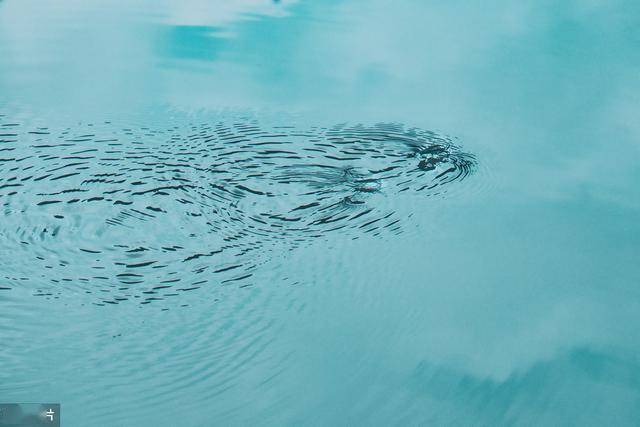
321	213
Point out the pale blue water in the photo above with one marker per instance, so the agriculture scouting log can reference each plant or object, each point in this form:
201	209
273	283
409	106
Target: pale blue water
321	213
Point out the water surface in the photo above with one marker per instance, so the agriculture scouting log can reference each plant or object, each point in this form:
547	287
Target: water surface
505	293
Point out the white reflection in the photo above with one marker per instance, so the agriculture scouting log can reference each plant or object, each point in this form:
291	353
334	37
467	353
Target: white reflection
221	13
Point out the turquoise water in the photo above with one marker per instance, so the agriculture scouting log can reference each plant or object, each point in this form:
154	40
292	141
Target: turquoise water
188	190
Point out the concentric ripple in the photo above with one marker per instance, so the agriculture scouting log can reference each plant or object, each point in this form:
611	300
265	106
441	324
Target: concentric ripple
144	214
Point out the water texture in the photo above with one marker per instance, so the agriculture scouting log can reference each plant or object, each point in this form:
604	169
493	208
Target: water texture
346	212
148	213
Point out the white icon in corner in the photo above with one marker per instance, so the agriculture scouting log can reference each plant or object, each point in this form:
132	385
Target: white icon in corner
49	414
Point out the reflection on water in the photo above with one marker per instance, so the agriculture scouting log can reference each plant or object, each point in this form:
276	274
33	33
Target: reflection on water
153	145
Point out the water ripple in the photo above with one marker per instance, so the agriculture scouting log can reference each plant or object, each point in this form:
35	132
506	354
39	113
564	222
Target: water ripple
139	213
